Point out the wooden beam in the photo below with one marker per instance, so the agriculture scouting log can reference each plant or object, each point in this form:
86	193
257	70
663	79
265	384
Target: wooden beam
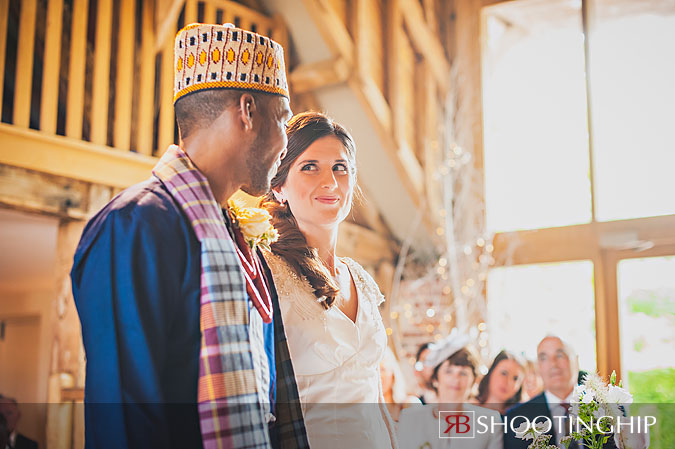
24	64
125	75
332	29
166	16
50	72
608	348
78	49
578	242
101	77
72	158
39	192
309	77
426	42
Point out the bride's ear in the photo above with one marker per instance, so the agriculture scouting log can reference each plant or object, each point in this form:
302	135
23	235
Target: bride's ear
279	196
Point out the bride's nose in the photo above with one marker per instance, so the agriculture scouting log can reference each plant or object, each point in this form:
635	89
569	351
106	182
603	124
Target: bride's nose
328	180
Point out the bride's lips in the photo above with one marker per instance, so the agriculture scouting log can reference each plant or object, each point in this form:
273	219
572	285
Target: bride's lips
327	199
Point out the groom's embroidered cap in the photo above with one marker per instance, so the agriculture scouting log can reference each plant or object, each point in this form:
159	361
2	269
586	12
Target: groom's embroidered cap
225	57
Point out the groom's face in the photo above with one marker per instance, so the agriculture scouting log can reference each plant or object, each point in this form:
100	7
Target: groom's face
269	146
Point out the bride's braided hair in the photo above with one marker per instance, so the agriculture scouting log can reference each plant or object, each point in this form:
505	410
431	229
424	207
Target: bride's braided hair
303	130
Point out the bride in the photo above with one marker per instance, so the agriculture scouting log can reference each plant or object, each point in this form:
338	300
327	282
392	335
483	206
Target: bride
329	304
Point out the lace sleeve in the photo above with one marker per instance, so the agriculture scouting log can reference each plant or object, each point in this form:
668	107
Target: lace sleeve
366	281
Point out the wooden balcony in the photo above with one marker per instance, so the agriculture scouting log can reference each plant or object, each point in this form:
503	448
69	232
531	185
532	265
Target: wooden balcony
88	86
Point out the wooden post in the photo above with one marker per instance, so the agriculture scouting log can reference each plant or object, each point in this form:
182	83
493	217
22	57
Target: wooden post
393	49
166	113
147	87
125	76
78	48
190	11
24	63
101	81
209	12
50	72
4	13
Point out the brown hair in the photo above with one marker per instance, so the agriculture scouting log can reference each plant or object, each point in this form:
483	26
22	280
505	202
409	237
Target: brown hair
463	357
484	385
303	130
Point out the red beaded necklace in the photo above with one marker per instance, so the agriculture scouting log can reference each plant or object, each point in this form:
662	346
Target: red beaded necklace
256	286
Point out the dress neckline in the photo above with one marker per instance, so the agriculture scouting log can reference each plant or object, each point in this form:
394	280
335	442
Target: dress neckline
352	278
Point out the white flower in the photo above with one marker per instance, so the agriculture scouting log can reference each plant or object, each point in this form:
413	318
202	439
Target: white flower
524	431
540	427
579	391
595	384
588	397
618	395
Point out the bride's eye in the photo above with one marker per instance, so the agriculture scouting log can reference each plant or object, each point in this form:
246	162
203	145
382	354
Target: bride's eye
308	167
340	167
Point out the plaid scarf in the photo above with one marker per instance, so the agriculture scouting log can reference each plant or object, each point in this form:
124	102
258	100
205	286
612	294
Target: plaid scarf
229	411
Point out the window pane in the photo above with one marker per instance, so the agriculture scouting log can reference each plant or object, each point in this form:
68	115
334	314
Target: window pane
647	320
527	302
647	326
633	96
534	103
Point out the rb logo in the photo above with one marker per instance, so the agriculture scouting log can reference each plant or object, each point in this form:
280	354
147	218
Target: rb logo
456	424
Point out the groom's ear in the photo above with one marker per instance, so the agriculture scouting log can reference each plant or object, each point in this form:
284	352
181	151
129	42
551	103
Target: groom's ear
247	107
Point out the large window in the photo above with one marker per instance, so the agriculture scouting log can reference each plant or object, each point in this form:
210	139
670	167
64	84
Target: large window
534	107
579	145
551	299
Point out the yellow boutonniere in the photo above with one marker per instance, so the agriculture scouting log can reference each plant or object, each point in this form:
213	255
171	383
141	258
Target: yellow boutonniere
254	224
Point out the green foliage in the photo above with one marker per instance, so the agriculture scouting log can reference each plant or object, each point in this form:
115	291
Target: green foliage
652	303
654	394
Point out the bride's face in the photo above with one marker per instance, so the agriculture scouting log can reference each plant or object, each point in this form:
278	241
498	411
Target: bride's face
320	184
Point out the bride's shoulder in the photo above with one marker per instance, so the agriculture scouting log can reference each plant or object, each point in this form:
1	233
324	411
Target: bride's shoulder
292	289
364	280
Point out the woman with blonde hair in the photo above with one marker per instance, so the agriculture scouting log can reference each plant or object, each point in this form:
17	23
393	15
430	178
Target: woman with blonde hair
329	304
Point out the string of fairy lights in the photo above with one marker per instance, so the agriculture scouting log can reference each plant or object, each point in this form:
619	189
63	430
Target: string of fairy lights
450	293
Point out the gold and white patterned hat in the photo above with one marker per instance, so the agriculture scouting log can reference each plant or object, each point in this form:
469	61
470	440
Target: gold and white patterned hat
224	57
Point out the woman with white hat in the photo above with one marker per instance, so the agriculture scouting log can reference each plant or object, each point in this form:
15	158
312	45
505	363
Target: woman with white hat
452	422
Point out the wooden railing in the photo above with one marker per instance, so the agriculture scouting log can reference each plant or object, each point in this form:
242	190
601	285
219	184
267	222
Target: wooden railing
100	71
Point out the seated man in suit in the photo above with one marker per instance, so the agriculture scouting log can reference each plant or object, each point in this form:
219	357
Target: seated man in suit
559	370
10	410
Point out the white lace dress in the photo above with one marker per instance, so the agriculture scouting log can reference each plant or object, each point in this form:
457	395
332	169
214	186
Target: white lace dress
336	361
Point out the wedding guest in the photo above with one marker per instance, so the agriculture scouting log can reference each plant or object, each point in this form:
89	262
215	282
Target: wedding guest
329	303
425	393
184	345
533	383
559	370
9	410
453	375
394	386
501	387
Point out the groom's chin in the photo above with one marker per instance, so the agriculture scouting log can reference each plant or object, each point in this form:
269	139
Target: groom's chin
259	190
